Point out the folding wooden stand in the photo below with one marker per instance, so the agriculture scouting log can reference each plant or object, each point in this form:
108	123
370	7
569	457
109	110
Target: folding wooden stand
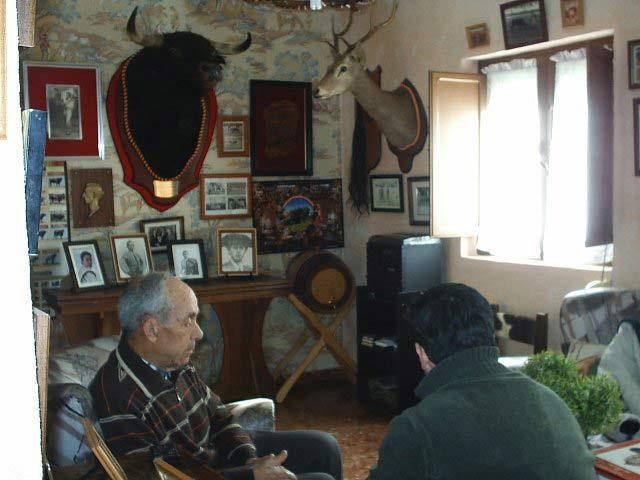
325	339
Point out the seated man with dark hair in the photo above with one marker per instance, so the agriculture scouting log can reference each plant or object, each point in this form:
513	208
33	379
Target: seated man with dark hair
148	395
477	419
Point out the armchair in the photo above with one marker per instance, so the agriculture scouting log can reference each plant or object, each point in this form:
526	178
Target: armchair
70	372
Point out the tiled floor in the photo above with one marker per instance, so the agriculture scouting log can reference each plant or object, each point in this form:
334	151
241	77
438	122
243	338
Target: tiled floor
332	406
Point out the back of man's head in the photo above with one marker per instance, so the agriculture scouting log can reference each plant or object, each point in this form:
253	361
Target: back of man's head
450	318
144	296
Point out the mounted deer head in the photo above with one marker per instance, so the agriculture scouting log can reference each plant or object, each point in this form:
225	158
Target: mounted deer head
399	113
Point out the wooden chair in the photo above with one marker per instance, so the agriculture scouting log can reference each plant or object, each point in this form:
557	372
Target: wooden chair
532	331
42	331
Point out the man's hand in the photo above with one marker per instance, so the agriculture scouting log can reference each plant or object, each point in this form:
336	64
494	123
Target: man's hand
270	467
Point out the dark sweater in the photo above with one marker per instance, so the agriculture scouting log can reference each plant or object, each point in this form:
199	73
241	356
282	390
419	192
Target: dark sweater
138	410
479	420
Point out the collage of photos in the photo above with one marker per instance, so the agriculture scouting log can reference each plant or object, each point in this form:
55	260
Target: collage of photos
54	218
224	196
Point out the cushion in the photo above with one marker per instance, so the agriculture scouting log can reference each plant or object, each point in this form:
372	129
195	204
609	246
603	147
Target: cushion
80	364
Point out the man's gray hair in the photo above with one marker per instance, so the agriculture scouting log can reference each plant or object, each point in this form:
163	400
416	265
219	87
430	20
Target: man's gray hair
144	296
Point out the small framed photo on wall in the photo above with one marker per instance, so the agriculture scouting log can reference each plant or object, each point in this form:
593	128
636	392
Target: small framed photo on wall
386	193
419	204
131	256
85	265
633	59
161	231
187	260
232	136
477	35
225	196
237	251
572	12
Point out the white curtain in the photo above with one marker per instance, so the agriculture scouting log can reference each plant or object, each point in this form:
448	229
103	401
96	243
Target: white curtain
511	171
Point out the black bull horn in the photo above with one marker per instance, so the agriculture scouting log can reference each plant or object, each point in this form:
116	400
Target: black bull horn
157	39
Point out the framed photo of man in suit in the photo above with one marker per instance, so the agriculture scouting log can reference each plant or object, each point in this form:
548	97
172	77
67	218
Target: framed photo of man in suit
237	251
187	259
131	256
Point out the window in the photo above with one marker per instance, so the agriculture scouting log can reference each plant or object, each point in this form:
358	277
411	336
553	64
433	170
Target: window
544	158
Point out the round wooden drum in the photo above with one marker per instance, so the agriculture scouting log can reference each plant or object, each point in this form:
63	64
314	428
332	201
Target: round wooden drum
321	280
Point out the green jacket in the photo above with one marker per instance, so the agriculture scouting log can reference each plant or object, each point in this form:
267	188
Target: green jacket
479	420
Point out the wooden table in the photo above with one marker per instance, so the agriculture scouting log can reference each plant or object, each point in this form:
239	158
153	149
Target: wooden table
240	303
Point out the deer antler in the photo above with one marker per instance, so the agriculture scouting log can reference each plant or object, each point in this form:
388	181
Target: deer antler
373	30
337	36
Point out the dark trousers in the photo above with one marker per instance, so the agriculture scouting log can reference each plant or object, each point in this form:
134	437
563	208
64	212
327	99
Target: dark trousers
312	455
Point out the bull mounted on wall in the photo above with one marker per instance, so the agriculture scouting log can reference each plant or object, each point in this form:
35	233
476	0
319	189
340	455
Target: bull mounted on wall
162	110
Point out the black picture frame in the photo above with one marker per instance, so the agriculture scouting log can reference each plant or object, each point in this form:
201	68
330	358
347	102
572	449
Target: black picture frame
418	198
387	194
159	232
190	272
281	128
75	251
524	22
633	59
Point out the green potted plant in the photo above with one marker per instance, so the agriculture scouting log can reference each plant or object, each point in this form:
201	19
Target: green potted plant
594	400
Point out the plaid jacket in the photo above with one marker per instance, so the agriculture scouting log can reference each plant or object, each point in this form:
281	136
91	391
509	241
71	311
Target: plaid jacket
138	409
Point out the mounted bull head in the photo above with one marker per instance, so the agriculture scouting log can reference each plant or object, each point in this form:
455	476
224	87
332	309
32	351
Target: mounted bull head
162	110
399	113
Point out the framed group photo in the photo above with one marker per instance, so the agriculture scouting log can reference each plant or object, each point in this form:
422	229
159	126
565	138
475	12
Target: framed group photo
71	96
237	251
419	205
85	265
524	22
131	256
225	196
232	136
281	131
188	260
161	231
386	193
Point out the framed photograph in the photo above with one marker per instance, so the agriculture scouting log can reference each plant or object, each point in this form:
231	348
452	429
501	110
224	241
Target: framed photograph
71	96
523	23
187	259
92	197
291	216
386	193
572	12
232	136
419	204
225	196
85	265
162	231
636	134
633	59
237	251
477	35
131	256
281	133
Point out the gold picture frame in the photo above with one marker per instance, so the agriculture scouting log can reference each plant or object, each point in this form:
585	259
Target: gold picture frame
572	13
477	35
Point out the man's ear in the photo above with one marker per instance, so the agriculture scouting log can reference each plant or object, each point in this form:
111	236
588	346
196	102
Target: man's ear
425	363
150	328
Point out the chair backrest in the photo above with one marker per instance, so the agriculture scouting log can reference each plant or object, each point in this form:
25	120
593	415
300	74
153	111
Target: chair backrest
532	331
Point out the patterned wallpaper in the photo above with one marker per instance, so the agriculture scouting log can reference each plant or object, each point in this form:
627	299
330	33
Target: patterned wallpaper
286	46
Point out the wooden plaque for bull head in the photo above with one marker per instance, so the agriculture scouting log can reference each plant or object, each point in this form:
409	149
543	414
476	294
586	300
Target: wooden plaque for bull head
162	111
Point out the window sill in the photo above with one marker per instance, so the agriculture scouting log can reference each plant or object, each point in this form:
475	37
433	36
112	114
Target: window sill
536	263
